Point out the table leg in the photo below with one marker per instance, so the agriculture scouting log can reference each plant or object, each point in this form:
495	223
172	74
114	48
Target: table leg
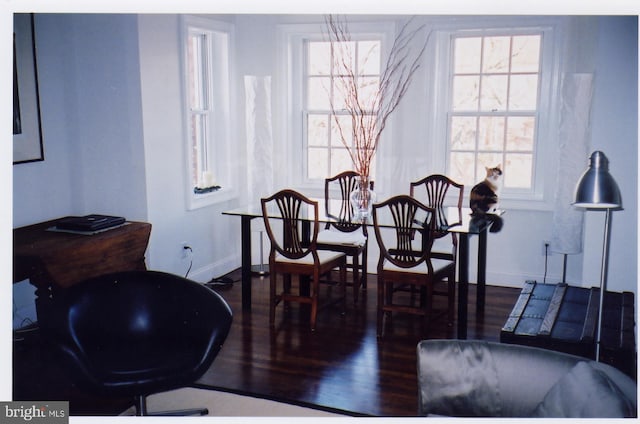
245	231
482	272
463	284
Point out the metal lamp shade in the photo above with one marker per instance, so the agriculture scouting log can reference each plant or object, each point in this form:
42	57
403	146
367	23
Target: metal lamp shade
597	189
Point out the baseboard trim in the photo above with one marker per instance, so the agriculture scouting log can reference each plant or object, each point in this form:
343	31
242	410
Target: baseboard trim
213	270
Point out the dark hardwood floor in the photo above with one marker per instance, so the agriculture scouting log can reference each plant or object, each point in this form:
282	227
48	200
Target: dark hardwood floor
342	365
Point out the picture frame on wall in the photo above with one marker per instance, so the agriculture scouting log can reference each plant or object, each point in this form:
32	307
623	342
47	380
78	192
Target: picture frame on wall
27	130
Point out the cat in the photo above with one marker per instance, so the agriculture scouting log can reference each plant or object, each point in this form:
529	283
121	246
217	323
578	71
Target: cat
484	196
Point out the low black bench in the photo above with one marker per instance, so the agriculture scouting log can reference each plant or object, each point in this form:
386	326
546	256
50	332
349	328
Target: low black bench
564	318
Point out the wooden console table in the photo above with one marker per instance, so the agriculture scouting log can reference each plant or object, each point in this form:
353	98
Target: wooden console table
53	260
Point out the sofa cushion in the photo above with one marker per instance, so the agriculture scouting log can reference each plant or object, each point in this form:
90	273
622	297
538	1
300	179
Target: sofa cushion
585	392
462	381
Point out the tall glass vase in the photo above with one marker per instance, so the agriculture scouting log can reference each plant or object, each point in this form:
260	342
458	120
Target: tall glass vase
362	199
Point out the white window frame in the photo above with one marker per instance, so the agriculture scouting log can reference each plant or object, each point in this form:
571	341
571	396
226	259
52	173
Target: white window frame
292	57
539	197
220	42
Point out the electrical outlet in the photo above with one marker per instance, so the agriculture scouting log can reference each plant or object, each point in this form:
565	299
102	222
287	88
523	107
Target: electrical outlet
546	247
185	249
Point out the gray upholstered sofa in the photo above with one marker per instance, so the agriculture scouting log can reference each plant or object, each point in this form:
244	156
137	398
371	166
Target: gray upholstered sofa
476	378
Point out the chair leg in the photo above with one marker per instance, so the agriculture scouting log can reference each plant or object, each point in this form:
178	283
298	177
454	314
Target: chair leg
364	268
423	295
343	287
314	299
429	301
356	278
286	281
388	293
272	297
380	305
141	406
451	284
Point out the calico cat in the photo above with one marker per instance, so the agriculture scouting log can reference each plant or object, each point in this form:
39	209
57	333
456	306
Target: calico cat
484	195
483	198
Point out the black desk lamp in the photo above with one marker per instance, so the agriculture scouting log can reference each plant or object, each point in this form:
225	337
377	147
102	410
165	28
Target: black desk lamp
598	190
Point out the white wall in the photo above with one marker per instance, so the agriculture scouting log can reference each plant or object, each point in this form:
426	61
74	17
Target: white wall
41	189
112	120
91	122
615	132
107	153
206	230
108	125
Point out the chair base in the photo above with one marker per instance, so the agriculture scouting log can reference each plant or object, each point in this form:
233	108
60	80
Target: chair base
307	294
141	410
179	413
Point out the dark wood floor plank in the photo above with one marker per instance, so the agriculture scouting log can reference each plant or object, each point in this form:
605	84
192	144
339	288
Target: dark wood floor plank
342	364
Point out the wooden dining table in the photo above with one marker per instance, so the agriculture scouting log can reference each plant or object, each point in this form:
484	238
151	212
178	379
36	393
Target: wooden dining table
454	220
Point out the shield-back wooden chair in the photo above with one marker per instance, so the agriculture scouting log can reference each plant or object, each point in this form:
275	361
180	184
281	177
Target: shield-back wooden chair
294	251
342	234
400	263
432	190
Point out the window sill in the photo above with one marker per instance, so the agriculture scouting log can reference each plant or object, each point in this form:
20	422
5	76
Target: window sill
210	197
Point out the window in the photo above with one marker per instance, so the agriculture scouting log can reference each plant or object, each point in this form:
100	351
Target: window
312	148
206	73
494	107
326	154
490	97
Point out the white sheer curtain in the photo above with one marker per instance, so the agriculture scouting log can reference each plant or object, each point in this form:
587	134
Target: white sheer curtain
574	138
259	152
259	137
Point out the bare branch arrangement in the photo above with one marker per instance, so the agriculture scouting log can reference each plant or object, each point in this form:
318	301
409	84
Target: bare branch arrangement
368	102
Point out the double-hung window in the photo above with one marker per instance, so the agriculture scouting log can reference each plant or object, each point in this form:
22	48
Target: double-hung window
324	82
494	107
498	107
206	62
313	82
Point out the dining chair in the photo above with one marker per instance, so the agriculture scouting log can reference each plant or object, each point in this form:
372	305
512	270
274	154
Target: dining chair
432	190
434	194
343	234
294	251
401	263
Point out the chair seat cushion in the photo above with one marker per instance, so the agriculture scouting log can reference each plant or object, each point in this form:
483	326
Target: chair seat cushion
323	255
441	246
355	238
438	265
